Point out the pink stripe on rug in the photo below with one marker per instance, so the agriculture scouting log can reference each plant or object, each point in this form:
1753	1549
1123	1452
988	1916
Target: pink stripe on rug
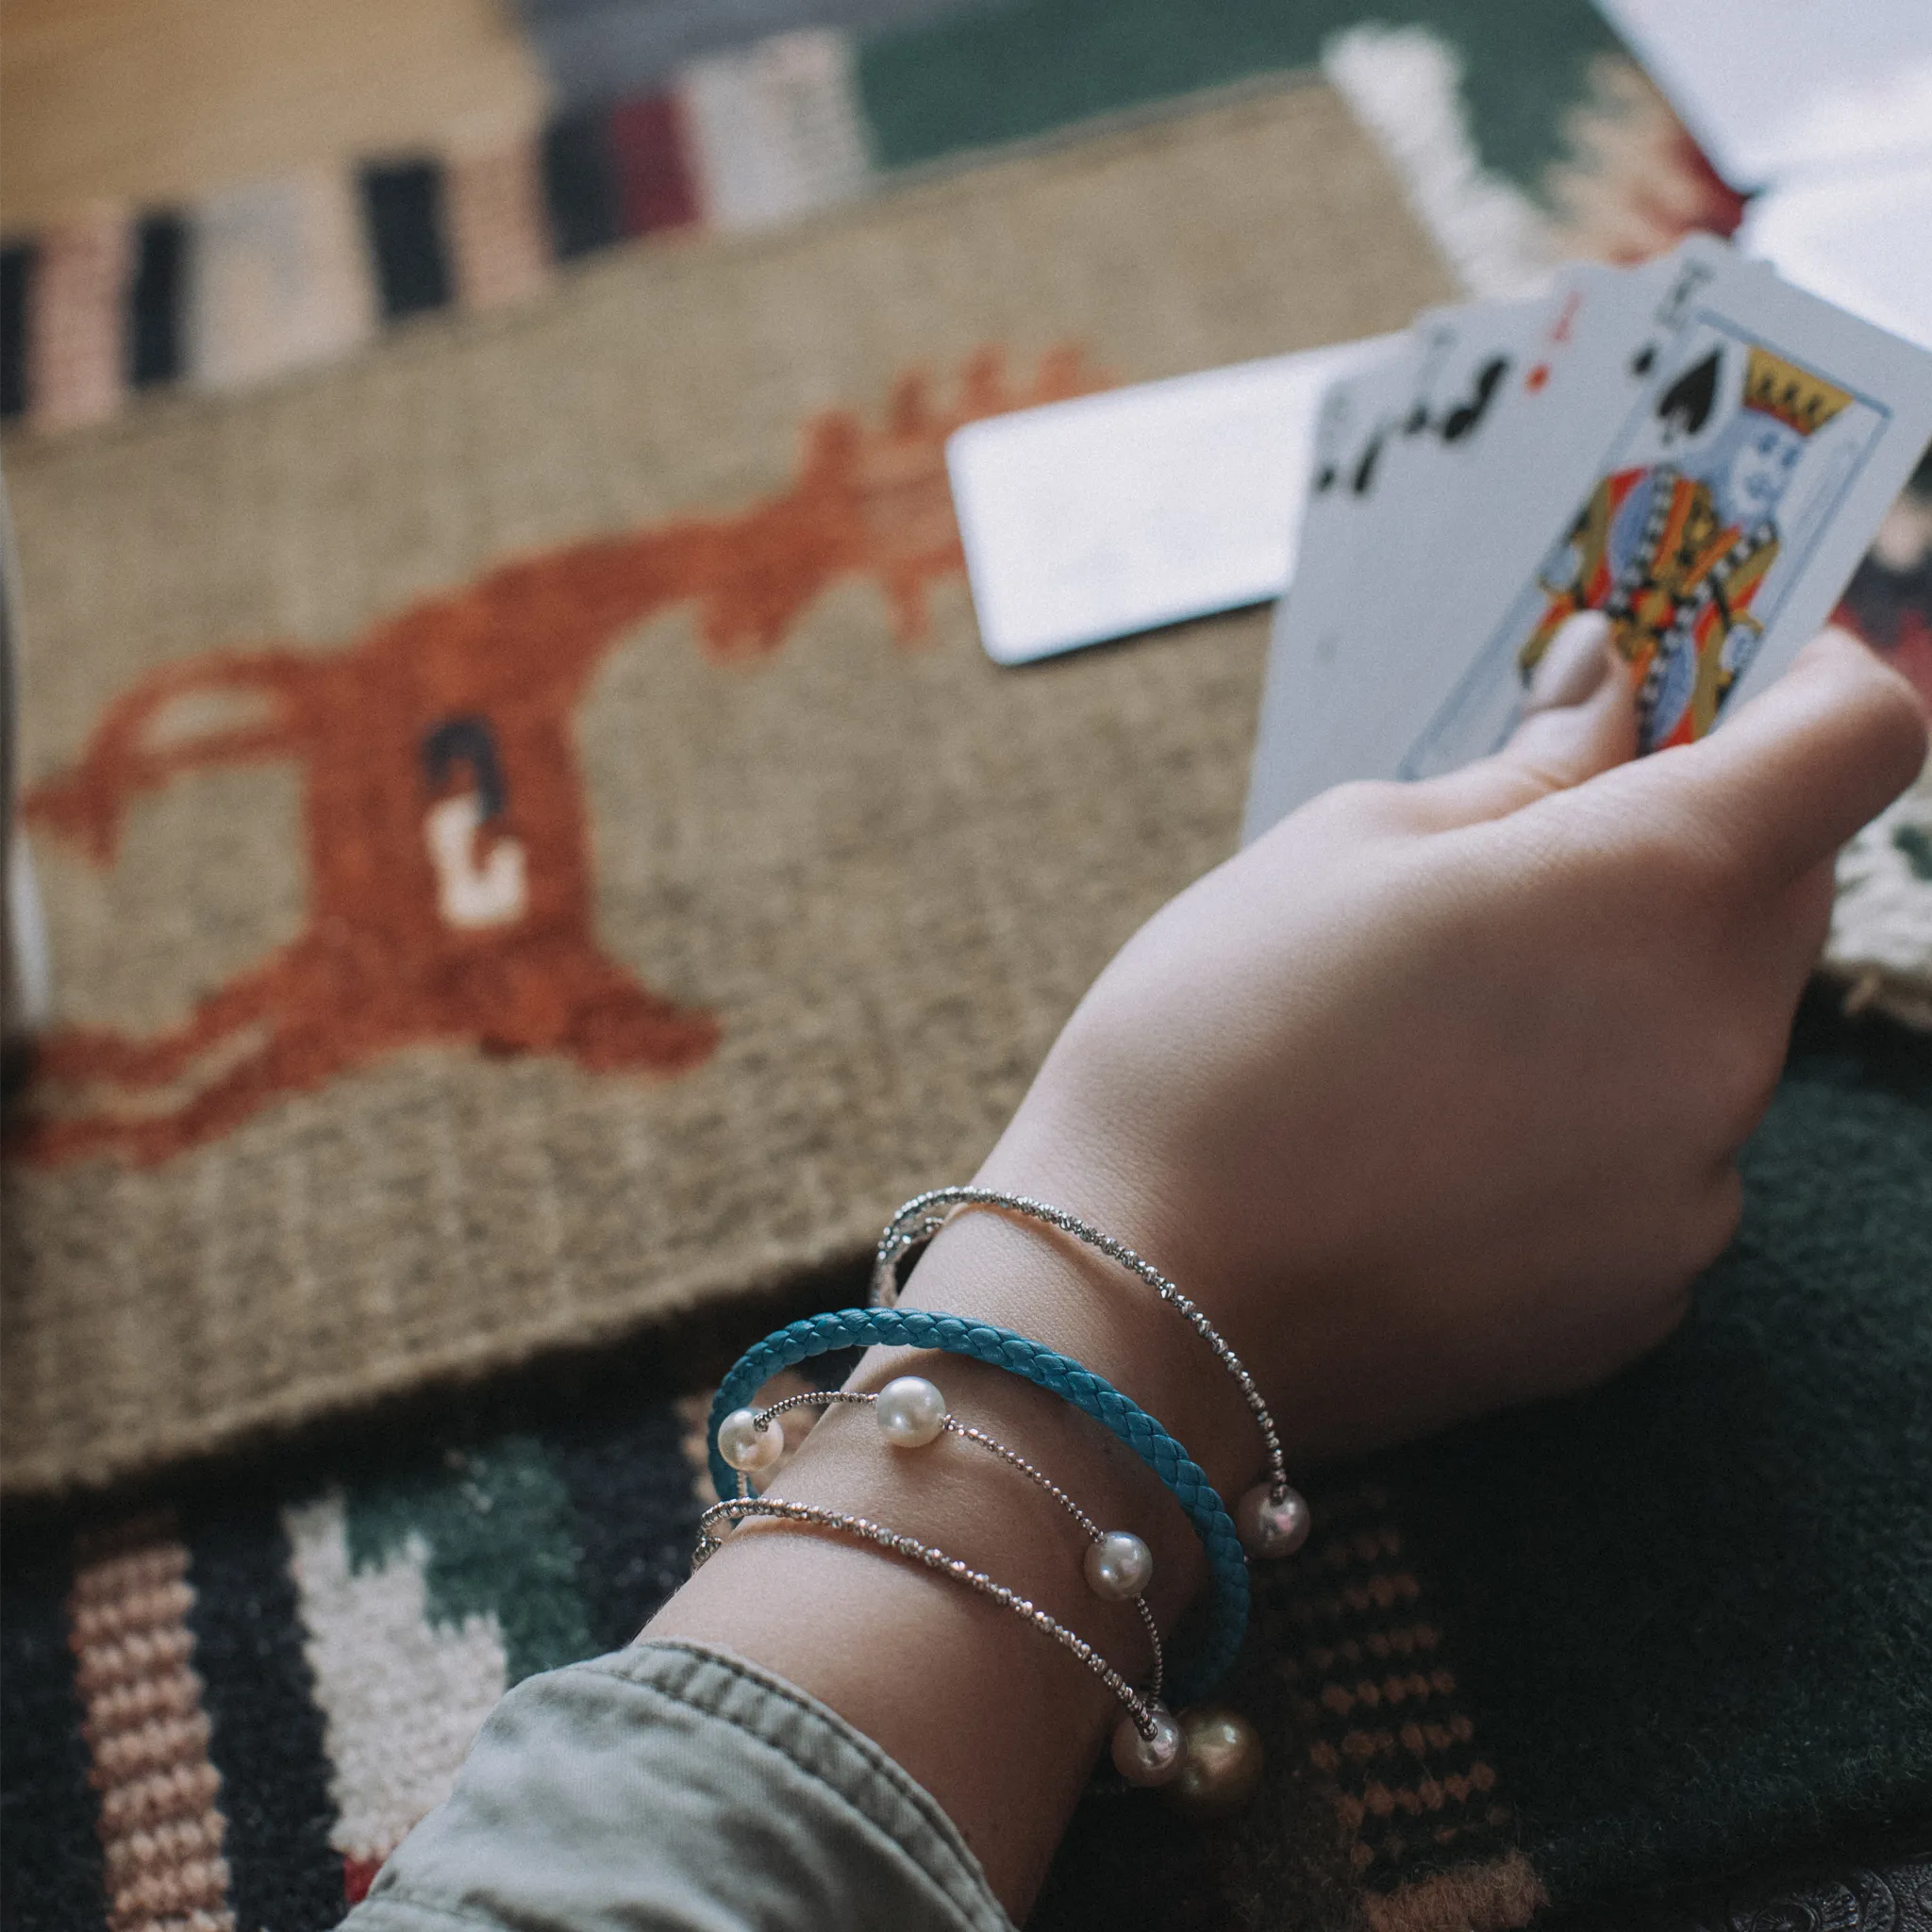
77	330
498	237
161	1826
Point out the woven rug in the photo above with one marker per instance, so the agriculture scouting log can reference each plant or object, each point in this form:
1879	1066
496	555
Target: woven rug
1546	1668
528	837
531	848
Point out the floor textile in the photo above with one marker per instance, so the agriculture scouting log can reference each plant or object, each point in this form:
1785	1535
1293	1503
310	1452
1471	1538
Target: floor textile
1553	1666
537	866
529	839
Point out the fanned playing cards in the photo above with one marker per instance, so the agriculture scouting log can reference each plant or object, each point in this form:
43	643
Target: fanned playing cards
1693	447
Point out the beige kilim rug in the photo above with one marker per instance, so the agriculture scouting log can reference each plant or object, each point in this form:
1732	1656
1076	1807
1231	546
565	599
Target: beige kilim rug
530	842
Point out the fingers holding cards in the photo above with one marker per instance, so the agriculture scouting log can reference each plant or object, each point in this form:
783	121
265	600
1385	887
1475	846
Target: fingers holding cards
1802	771
1691	448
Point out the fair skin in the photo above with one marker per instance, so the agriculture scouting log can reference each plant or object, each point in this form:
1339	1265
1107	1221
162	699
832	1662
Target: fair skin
1380	1093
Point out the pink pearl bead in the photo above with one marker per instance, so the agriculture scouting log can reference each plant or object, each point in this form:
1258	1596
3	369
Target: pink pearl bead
1271	1526
1154	1760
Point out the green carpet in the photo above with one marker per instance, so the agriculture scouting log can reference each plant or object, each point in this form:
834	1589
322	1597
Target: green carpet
986	76
1696	1604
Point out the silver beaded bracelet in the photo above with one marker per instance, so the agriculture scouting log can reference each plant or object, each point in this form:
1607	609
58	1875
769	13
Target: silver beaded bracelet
1148	1742
911	1412
1271	1518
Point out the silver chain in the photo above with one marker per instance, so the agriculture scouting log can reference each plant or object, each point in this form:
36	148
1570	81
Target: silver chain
917	1221
1138	1707
953	1426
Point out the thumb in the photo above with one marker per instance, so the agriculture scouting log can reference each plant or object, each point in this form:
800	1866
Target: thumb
1579	718
1799	768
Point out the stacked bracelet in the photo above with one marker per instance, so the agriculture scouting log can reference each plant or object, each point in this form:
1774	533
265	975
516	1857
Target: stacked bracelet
1226	1614
1150	1745
911	1413
1149	1742
1271	1518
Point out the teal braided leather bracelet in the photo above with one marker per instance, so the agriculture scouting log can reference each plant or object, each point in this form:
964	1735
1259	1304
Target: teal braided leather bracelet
1226	1614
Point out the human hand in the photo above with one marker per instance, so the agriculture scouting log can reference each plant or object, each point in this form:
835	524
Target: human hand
1430	1099
1432	1096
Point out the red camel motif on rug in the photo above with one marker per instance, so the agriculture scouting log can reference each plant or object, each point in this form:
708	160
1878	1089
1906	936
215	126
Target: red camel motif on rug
449	888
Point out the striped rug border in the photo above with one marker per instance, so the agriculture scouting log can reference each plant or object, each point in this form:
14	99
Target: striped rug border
256	279
122	299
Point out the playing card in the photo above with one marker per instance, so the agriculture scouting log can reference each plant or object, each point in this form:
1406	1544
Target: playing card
1356	429
1465	374
1603	334
1312	639
1109	514
1722	520
1388	609
1839	236
1692	447
1771	88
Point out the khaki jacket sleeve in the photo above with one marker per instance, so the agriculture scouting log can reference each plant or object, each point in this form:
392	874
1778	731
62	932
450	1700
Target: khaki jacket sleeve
677	1787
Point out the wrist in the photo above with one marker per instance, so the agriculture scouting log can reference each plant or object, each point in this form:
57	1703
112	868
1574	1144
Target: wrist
1290	1278
1023	1275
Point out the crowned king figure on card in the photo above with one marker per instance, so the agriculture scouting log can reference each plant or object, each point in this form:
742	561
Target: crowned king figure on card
1674	552
1702	519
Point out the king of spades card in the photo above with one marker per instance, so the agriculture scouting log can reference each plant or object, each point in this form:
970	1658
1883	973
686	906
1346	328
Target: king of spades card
1673	552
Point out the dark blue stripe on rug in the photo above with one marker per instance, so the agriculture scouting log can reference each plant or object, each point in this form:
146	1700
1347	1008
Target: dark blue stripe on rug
402	202
265	1731
16	279
50	1850
154	305
580	186
634	1518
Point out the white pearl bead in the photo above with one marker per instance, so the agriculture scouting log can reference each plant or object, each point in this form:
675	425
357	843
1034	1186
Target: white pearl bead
746	1446
910	1412
1155	1760
1119	1566
1269	1525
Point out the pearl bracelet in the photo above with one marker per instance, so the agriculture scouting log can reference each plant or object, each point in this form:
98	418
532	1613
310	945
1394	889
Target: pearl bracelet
911	1413
1225	1614
1272	1519
1155	1745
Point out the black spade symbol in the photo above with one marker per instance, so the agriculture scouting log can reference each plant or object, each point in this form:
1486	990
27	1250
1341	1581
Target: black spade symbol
1324	479
1463	420
1644	361
1417	422
1365	470
1685	408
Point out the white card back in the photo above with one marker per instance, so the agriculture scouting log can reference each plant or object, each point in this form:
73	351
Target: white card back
1772	89
1862	238
1093	519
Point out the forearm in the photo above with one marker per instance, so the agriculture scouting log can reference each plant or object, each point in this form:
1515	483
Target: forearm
997	1722
1377	1095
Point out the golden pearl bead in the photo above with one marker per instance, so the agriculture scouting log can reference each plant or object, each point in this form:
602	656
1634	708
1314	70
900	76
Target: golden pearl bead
1221	1770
